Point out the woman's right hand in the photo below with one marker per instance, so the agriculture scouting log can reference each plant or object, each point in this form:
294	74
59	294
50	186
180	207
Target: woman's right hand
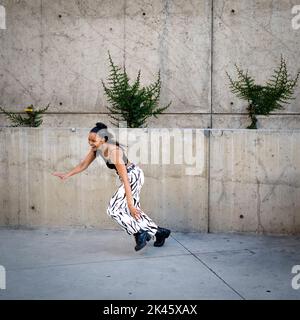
61	175
135	212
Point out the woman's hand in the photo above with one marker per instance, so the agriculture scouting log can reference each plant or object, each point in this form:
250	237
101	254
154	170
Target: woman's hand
135	212
61	175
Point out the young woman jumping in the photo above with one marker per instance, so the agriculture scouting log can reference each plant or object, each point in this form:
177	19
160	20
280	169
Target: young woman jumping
124	206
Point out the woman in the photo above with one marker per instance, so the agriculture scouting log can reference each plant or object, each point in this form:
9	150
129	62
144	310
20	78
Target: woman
124	206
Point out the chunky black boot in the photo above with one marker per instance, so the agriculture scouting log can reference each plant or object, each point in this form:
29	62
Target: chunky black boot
141	238
161	235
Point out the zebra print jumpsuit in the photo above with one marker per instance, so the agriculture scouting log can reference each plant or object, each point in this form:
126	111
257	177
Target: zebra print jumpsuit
118	209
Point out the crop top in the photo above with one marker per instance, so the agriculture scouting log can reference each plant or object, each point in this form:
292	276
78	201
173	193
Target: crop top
108	163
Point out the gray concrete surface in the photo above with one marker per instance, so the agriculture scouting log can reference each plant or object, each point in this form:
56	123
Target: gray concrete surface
56	51
254	181
248	180
74	263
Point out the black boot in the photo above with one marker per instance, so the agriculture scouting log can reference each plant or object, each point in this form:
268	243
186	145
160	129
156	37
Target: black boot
141	238
161	235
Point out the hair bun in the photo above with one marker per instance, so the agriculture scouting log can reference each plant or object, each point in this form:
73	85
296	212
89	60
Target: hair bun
101	125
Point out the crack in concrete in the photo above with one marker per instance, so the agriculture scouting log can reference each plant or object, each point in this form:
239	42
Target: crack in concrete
22	85
260	227
211	270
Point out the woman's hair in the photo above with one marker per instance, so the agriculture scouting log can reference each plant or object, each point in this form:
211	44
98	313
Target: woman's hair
101	130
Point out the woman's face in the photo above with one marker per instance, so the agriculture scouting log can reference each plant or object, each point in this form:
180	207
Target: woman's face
95	141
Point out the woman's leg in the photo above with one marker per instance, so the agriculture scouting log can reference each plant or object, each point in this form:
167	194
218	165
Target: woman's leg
136	182
119	211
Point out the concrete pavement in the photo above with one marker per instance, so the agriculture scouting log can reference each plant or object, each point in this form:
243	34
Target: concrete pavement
73	263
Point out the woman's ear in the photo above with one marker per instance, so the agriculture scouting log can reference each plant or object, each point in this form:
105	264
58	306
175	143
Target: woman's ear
102	140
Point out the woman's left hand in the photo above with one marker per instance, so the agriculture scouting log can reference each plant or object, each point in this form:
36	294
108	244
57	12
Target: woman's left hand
135	212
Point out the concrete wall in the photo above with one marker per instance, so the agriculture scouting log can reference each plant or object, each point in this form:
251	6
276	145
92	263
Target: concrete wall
248	182
30	195
254	181
56	51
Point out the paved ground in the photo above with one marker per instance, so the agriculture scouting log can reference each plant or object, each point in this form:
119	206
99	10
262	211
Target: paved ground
97	264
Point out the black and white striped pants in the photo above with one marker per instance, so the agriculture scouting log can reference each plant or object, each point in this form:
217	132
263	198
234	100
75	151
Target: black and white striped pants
118	208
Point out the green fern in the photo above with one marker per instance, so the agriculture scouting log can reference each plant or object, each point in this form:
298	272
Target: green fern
33	119
131	103
278	91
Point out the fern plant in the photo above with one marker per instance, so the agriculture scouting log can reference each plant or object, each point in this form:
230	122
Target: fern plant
278	91
33	119
130	102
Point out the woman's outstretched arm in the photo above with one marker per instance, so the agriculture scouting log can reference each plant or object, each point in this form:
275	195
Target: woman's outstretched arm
90	157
